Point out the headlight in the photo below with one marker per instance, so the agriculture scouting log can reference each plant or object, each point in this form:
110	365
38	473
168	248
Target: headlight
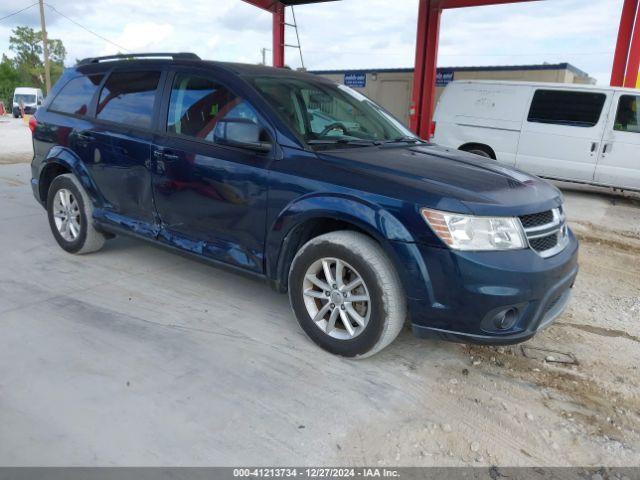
467	232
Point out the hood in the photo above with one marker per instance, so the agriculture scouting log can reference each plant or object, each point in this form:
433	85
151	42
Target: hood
446	179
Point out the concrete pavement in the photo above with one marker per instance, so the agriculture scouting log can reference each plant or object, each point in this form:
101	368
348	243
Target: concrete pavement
138	356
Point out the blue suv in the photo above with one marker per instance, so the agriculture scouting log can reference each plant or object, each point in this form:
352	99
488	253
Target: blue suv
364	225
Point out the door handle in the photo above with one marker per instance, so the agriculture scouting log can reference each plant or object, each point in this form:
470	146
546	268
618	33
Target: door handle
594	146
172	157
163	155
87	137
607	148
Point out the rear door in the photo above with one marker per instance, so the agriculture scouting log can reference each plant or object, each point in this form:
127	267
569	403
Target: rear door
562	133
619	163
121	145
210	194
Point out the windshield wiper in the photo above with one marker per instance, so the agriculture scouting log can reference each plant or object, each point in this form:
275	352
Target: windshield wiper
405	139
344	141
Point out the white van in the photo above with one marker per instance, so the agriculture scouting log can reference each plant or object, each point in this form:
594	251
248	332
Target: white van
579	133
29	98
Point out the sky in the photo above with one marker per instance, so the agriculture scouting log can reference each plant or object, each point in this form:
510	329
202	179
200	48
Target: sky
349	34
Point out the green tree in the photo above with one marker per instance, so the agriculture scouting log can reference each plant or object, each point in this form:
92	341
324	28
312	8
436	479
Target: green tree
26	43
9	80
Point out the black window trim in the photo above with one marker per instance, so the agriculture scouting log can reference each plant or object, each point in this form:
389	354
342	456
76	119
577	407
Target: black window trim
567	90
207	73
156	106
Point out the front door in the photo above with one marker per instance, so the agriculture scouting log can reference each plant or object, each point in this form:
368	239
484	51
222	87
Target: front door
561	136
210	194
619	163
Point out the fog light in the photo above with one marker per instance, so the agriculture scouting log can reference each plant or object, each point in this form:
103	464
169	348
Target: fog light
506	319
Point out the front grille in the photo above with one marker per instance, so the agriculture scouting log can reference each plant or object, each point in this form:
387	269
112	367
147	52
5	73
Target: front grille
546	231
544	243
537	219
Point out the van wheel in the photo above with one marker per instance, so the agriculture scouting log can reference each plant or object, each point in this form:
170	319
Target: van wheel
346	294
70	213
478	151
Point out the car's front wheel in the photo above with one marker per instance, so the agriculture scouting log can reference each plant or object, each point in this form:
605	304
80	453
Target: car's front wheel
346	294
70	213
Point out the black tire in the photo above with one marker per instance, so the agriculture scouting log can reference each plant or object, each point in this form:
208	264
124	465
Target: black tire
387	304
480	152
88	238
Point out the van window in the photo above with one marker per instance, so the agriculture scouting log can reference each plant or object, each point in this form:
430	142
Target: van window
76	95
128	98
24	98
628	116
200	108
577	109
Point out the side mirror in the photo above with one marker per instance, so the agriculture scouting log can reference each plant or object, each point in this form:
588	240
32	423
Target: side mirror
242	133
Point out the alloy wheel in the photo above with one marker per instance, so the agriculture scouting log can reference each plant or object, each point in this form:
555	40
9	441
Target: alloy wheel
66	214
336	298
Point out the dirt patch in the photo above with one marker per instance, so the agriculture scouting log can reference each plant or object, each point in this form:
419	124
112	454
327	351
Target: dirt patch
570	392
605	332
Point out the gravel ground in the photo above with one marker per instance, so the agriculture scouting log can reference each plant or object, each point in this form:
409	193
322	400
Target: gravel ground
15	140
137	356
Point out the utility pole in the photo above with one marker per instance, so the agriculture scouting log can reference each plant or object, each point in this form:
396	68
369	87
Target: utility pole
45	48
264	56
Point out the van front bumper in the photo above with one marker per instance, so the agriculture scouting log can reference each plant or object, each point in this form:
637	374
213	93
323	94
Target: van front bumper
495	298
27	110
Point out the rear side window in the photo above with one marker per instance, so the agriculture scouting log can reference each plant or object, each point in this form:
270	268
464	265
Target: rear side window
628	115
202	108
76	95
128	98
576	109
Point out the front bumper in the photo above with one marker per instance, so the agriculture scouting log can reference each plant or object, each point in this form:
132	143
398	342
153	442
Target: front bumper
469	290
27	110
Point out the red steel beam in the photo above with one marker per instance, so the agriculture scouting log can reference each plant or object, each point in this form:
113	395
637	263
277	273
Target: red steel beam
278	36
629	10
427	101
418	72
446	4
269	5
633	63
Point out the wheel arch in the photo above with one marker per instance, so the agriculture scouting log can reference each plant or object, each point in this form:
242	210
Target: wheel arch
312	216
478	146
59	161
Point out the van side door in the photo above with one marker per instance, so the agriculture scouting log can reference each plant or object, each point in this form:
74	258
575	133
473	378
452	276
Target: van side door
619	163
562	133
211	169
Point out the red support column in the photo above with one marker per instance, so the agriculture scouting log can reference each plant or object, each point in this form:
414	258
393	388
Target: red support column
430	70
278	35
633	63
418	73
629	10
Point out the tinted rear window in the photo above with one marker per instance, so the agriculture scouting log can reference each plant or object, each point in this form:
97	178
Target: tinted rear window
577	109
76	95
128	98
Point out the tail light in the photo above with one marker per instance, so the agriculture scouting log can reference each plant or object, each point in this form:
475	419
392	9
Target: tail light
432	130
33	123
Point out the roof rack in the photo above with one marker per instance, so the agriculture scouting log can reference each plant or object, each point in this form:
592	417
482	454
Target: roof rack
133	56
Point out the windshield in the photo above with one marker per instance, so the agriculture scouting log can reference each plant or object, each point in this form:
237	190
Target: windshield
24	98
326	114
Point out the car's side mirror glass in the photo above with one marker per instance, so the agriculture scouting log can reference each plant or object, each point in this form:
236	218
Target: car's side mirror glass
242	133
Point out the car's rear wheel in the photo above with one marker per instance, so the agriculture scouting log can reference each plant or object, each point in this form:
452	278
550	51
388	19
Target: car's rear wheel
346	294
70	213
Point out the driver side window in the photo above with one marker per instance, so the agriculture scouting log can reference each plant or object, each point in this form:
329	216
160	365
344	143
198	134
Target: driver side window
202	108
